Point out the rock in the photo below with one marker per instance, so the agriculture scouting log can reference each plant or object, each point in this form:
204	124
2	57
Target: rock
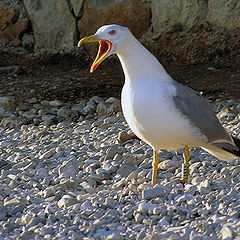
112	151
12	177
138	218
3	163
26	218
123	136
53	24
13	122
28	41
227	233
7	17
101	109
145	207
224	14
195	237
28	115
166	14
153	193
125	169
226	113
69	168
118	184
8	103
163	222
115	236
48	154
138	151
42	172
36	220
112	100
204	187
77	7
56	103
107	166
166	164
115	107
90	108
18	209
134	14
10	28
45	103
190	188
66	201
11	226
160	210
132	175
65	112
49	119
78	108
12	34
197	180
87	207
23	107
155	236
111	203
11	203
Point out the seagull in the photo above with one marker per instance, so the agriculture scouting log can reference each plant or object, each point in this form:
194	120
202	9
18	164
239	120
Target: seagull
160	111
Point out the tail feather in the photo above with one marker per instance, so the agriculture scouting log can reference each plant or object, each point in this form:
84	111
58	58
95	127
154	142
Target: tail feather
225	150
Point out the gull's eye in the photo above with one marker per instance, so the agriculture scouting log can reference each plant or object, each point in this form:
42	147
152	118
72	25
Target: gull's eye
112	32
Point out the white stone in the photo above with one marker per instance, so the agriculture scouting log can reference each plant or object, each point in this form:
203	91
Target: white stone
153	193
132	175
56	103
26	218
146	206
69	168
227	233
48	154
66	201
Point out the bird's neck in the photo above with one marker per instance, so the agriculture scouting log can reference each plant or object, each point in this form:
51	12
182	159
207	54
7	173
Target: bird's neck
138	63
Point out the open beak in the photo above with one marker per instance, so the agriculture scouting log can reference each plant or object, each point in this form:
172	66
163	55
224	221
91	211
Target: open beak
104	48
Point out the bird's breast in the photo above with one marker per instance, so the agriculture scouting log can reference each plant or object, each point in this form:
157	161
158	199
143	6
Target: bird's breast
150	112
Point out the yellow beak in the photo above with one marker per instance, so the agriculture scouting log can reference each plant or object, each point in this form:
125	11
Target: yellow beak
104	48
87	40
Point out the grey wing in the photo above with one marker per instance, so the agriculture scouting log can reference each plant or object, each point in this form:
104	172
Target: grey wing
197	110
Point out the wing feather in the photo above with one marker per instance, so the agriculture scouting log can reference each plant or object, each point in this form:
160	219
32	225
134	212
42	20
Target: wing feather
197	110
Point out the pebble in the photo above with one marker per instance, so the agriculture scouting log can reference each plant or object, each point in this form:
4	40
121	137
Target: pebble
68	168
165	165
66	201
66	172
153	193
47	154
123	136
56	103
112	151
227	233
132	175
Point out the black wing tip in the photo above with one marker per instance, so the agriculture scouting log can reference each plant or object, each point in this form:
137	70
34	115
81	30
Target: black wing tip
236	140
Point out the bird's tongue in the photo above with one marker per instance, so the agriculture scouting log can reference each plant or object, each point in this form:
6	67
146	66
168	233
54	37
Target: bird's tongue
104	48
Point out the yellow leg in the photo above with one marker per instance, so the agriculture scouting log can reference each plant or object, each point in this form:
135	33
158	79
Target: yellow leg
185	166
155	167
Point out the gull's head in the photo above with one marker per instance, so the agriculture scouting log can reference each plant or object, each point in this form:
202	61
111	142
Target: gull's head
110	39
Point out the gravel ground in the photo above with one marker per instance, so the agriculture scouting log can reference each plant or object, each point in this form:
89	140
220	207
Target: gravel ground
66	175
